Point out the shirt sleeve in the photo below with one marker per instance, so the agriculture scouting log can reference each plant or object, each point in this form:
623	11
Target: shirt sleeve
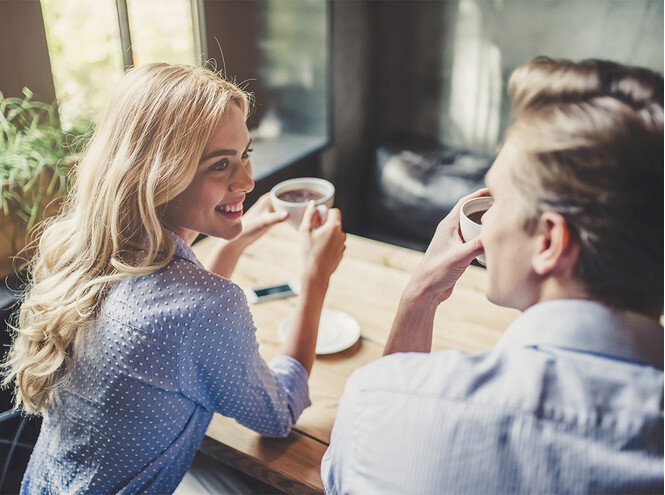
221	368
336	460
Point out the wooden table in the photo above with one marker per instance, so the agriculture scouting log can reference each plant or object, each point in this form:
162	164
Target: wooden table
367	285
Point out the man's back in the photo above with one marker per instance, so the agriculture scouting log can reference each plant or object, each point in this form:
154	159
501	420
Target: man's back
569	401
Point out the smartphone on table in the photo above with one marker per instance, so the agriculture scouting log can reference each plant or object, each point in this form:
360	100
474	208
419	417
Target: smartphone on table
272	292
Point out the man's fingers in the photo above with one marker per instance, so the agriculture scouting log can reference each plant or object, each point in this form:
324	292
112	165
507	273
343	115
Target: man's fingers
477	194
473	248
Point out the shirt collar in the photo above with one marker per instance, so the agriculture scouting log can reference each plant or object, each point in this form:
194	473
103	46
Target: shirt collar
182	250
588	326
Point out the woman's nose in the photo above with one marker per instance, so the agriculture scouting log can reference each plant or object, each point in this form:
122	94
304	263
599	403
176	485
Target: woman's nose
242	181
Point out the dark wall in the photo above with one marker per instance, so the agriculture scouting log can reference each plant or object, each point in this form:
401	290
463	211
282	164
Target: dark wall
386	80
407	80
235	45
24	59
345	162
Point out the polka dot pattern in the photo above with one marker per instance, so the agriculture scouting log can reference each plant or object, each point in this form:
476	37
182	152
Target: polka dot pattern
166	351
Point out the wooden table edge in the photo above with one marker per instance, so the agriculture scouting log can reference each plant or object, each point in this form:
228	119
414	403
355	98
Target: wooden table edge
247	464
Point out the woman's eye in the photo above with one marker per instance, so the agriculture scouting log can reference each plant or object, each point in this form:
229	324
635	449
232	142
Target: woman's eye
220	166
247	152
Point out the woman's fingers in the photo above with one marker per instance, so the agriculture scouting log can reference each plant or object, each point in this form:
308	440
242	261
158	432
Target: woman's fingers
311	219
334	217
275	218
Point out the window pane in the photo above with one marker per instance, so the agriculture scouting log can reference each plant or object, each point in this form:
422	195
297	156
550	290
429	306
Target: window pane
161	31
490	39
85	52
279	50
295	70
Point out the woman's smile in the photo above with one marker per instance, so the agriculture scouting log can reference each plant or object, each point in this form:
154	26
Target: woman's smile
230	211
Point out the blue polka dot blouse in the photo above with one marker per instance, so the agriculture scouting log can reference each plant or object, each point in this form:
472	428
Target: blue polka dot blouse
166	351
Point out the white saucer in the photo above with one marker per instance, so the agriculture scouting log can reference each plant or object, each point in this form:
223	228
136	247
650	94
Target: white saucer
337	331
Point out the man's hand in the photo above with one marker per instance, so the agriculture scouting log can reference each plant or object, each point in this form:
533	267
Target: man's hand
446	258
442	265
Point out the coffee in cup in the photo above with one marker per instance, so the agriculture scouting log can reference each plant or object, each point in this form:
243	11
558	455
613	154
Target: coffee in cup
293	195
470	218
476	216
299	196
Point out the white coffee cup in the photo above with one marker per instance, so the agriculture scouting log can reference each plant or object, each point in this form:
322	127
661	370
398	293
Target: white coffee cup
293	195
469	228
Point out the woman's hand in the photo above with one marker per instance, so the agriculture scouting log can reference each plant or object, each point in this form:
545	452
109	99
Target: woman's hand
321	243
256	222
446	258
258	219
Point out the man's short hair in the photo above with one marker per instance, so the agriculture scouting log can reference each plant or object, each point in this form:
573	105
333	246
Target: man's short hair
593	136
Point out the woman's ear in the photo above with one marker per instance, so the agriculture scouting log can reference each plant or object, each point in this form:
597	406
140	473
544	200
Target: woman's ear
556	253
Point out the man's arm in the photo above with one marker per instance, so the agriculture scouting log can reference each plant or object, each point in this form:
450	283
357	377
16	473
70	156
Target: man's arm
444	262
412	327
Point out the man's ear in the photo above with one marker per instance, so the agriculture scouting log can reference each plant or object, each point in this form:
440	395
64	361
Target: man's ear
555	251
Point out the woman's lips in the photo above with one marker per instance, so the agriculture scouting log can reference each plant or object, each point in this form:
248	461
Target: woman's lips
230	211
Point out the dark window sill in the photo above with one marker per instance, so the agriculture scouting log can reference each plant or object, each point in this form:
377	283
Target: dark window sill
273	154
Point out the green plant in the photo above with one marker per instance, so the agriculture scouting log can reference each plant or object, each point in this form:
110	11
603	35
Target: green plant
33	150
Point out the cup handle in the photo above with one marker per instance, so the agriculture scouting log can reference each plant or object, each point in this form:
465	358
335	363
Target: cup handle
323	211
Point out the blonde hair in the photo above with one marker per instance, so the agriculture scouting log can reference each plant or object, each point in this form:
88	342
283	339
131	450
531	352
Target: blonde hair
592	132
144	152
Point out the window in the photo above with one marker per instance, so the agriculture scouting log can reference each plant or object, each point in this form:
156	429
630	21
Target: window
86	47
86	59
161	31
280	49
277	49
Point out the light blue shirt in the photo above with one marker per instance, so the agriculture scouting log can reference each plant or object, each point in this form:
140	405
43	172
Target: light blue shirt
570	400
167	350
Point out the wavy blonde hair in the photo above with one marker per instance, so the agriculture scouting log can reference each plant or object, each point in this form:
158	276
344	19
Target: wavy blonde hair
593	135
144	153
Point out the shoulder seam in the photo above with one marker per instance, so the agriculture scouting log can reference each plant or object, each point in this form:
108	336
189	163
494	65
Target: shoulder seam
126	324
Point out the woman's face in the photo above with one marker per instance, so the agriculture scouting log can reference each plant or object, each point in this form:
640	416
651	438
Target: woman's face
212	203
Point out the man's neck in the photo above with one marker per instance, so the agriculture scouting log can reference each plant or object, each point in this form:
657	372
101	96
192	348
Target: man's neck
557	288
553	289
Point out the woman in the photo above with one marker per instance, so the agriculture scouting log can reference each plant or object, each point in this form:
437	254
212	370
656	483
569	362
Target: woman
125	342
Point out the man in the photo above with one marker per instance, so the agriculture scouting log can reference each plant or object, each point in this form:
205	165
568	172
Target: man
570	400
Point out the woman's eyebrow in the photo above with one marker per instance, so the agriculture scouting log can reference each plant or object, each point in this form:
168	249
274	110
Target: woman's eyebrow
225	152
219	153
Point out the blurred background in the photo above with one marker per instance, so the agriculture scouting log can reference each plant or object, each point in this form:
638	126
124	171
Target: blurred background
401	104
336	81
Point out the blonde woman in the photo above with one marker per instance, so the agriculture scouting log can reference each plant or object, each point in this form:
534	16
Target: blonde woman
125	343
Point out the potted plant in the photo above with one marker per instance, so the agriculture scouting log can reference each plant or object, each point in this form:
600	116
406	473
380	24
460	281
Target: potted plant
35	157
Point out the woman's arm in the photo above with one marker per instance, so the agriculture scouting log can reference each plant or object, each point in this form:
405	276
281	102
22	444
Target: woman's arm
256	222
322	247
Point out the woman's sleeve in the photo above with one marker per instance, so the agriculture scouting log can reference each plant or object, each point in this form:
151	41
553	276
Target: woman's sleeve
221	368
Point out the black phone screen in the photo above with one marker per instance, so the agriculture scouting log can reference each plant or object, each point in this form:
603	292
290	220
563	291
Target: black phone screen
267	291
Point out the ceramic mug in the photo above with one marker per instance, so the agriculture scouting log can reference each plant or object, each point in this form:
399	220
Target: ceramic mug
469	220
293	195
